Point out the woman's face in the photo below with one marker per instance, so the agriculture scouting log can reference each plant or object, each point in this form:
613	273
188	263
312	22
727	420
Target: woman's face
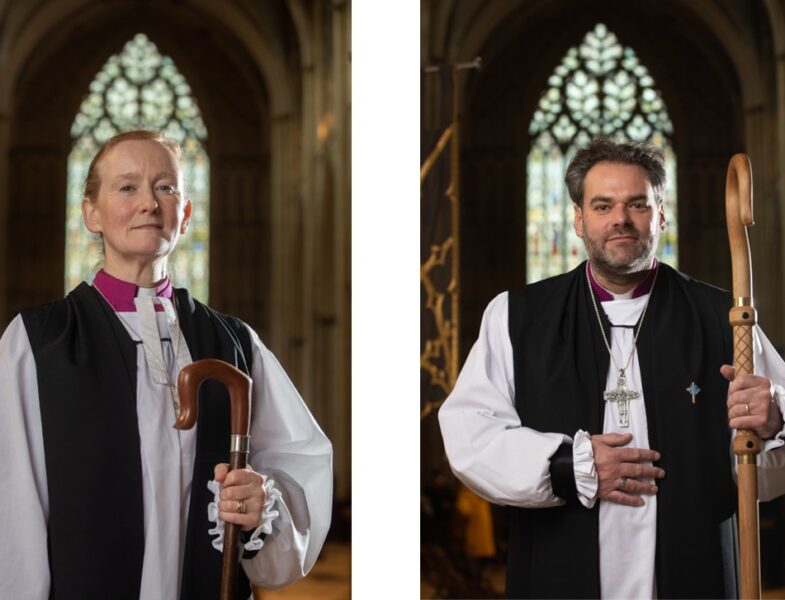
140	209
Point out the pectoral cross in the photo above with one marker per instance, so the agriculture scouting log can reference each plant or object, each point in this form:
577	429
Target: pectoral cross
622	396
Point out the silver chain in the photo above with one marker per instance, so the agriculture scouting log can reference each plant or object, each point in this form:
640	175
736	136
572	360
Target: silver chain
640	323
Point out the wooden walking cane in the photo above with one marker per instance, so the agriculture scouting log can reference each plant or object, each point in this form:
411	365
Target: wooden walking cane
746	444
239	386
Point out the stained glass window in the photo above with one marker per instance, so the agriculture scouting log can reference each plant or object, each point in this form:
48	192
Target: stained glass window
599	88
140	88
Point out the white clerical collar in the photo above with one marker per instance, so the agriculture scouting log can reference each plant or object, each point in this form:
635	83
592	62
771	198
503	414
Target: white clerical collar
625	296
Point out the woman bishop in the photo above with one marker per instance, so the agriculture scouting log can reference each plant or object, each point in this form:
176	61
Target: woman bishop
103	498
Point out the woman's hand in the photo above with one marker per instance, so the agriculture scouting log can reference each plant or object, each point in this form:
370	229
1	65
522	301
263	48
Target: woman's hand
242	496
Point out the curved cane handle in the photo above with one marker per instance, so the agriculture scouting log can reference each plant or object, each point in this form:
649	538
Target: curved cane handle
237	382
738	213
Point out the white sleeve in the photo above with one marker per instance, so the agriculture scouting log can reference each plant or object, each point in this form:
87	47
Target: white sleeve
771	460
488	448
24	563
288	447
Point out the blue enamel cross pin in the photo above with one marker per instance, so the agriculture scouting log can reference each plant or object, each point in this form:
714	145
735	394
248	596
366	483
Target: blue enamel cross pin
693	390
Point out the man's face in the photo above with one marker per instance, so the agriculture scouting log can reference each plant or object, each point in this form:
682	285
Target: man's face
619	221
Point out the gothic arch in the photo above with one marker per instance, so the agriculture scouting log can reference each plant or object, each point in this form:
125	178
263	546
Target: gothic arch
459	31
235	105
53	21
702	63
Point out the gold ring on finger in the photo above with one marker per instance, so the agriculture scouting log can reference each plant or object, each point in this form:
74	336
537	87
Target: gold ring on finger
748	409
241	507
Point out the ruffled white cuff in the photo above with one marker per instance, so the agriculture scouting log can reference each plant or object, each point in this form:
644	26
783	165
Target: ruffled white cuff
778	397
583	465
271	495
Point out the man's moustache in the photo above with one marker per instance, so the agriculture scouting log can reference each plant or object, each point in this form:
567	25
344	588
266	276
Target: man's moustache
622	232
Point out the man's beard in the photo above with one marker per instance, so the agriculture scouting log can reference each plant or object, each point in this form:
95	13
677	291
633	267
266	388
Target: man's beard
639	259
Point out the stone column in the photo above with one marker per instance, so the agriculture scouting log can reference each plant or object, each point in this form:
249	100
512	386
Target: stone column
4	225
239	237
340	279
36	234
285	296
778	197
765	236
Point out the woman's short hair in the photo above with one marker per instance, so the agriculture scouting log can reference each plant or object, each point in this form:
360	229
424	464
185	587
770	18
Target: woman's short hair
93	181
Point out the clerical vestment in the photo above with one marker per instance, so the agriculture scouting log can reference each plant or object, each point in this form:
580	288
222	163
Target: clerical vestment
74	433
561	367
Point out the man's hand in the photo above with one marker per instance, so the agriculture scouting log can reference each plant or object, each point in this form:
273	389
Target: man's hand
242	496
750	404
625	468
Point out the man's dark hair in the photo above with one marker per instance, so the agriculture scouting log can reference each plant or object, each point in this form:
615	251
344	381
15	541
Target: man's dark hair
605	149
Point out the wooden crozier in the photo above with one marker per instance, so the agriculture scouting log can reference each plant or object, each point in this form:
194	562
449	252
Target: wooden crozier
239	386
746	444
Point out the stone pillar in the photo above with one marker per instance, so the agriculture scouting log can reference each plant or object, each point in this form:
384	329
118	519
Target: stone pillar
778	337
4	223
340	280
314	102
36	234
701	193
285	296
316	245
765	236
239	237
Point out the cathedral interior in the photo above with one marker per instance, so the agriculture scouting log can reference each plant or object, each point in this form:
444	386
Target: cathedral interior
258	93
526	81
